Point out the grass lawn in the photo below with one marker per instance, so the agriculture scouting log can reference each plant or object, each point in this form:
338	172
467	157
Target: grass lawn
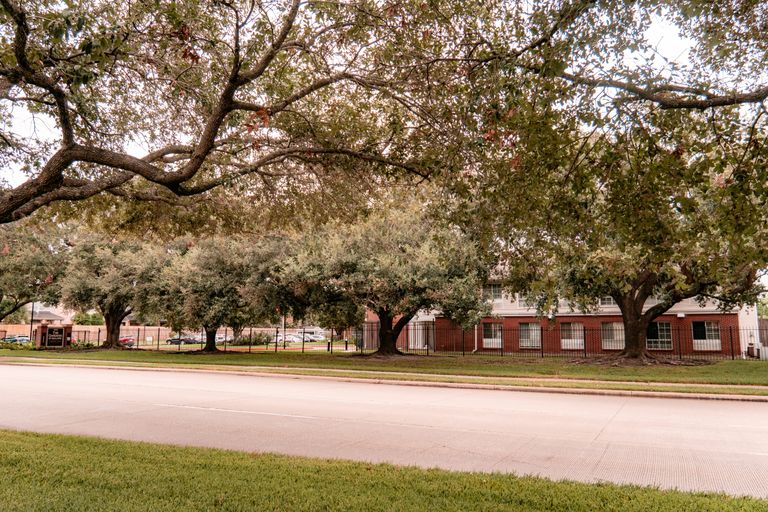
65	473
723	372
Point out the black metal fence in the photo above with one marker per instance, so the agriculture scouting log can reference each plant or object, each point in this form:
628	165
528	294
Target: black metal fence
531	340
567	340
250	339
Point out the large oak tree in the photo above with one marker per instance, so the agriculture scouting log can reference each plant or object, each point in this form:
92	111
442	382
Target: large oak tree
395	262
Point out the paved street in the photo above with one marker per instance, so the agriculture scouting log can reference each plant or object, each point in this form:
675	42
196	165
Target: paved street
688	444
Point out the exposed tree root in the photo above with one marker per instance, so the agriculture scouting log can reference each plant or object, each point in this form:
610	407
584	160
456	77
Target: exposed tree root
387	353
643	359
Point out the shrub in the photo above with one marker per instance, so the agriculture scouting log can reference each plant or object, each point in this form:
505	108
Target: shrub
257	338
16	346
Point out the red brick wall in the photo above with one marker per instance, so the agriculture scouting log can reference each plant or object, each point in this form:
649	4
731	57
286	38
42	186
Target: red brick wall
450	337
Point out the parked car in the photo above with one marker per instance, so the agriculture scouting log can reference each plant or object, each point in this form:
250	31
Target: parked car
288	338
220	338
20	338
127	341
314	337
181	340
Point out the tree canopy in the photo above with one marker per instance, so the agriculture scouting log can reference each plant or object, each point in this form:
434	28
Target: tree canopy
395	262
114	277
31	264
166	100
650	216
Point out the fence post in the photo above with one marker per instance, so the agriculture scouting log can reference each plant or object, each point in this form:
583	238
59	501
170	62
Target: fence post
225	339
277	332
303	331
463	332
542	334
679	344
250	340
98	337
730	335
425	333
330	345
586	338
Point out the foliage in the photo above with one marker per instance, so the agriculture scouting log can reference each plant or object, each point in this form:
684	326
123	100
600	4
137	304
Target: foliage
82	345
395	262
31	263
113	277
20	316
665	208
218	281
5	345
338	312
284	100
257	338
93	318
762	308
281	105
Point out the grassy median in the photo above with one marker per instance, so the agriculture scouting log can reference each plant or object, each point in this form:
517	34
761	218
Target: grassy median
65	473
737	372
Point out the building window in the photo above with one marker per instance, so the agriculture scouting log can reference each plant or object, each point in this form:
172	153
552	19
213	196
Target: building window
526	302
571	336
530	335
706	336
659	336
492	291
612	335
492	335
607	301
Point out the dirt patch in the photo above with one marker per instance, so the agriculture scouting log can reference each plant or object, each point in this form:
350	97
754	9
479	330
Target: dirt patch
393	357
620	361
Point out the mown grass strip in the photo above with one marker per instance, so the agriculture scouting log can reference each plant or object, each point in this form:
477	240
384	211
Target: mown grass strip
66	473
722	373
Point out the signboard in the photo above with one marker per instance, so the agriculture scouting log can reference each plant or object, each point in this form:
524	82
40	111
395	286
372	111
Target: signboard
55	337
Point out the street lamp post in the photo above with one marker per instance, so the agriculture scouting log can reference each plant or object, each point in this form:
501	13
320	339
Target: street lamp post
31	320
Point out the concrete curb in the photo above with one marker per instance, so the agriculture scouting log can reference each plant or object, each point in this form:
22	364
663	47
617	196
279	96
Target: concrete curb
393	382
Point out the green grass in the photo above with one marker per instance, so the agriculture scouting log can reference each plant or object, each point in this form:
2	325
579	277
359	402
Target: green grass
722	373
65	473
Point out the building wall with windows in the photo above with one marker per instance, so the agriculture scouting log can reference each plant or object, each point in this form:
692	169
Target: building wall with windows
514	326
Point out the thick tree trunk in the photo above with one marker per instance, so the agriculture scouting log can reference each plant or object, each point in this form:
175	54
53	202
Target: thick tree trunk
387	335
237	333
635	338
635	324
210	339
113	318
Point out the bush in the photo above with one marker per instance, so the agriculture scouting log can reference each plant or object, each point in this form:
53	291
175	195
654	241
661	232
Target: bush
82	345
258	338
16	346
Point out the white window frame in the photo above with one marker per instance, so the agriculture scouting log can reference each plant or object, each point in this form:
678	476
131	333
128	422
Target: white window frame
612	336
607	301
530	335
713	341
661	343
492	291
496	335
572	336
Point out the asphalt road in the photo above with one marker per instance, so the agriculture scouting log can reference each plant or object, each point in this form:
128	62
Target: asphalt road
669	443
